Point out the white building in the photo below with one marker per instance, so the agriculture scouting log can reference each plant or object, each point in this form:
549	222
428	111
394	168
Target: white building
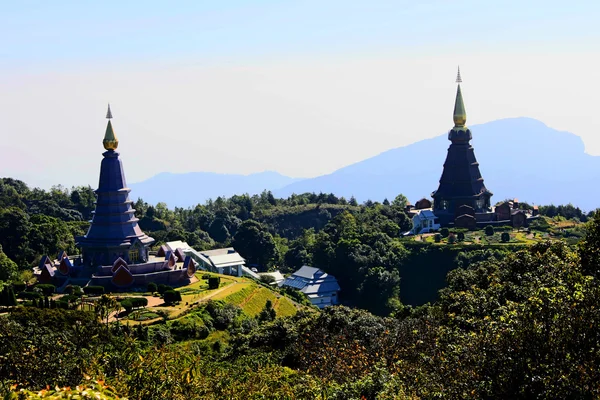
222	261
321	288
424	221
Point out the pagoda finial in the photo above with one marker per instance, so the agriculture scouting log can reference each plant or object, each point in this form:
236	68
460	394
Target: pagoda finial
458	80
110	141
460	115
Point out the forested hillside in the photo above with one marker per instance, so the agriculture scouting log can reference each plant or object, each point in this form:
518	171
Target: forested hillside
360	244
522	327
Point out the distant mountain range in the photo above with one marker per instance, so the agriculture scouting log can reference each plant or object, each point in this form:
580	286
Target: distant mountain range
518	157
201	186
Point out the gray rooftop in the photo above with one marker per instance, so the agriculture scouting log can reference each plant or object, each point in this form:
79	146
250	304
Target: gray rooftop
311	280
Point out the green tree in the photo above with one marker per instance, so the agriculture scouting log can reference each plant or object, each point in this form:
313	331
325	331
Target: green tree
171	296
589	247
105	306
255	244
14	235
7	296
8	268
49	235
400	201
379	289
267	313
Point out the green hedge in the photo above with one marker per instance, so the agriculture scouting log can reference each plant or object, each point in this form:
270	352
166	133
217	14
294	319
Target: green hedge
162	288
93	290
172	296
46	288
29	295
214	282
19	286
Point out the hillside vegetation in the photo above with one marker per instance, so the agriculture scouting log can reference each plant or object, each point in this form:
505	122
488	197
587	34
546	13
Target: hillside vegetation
457	319
360	244
520	327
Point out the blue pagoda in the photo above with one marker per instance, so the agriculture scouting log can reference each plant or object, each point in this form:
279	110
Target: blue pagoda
114	232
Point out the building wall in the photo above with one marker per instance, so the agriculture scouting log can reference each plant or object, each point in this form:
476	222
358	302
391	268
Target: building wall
170	277
324	300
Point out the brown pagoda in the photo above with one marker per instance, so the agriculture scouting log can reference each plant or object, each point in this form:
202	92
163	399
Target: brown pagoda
461	192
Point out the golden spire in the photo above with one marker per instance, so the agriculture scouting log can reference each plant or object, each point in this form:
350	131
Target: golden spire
110	141
460	115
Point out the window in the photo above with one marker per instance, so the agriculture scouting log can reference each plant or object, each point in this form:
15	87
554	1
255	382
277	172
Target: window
134	256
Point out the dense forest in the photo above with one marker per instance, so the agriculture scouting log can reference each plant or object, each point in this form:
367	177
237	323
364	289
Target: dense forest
512	321
520	327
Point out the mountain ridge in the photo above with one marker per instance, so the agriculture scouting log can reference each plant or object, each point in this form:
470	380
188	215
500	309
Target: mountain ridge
519	157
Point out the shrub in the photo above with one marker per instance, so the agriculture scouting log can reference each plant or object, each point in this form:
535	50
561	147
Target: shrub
138	302
460	236
171	296
74	290
127	305
452	239
222	314
444	232
189	328
206	276
19	286
47	289
29	295
489	230
61	304
152	287
7	296
93	290
505	237
267	313
162	288
268	279
437	238
214	282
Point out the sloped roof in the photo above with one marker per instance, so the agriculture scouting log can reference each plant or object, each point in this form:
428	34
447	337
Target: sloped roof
179	254
218	252
312	280
226	260
308	272
177	244
321	287
425	214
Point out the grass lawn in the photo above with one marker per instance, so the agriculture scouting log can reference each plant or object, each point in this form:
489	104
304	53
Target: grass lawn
243	292
284	307
252	299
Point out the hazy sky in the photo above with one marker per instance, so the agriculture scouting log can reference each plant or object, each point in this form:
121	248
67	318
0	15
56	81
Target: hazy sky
302	88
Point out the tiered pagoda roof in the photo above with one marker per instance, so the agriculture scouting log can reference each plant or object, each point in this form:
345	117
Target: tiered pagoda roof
461	182
113	223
